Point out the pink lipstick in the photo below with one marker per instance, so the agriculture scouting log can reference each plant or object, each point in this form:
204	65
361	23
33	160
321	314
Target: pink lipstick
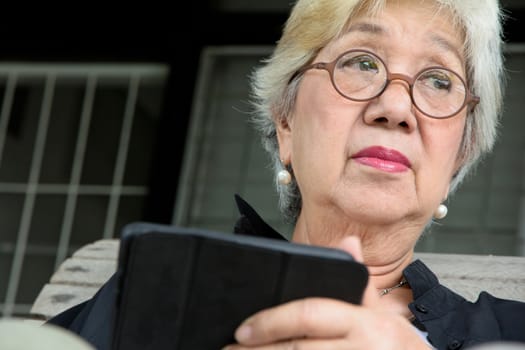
382	158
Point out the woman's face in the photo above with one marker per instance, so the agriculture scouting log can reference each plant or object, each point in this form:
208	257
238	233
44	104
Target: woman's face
380	161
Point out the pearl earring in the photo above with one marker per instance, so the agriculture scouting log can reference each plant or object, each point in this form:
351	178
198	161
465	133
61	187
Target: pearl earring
284	177
441	212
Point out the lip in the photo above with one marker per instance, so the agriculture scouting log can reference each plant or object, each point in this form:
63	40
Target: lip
382	158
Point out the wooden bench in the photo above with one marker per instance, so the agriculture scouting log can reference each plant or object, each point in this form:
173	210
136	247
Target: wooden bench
77	278
81	275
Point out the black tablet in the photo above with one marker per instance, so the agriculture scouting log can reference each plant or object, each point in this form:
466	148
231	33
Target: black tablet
187	289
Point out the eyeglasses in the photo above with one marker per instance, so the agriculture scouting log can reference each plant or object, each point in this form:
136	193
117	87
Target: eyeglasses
360	75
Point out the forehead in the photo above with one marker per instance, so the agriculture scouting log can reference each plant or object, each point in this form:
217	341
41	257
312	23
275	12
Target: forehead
409	20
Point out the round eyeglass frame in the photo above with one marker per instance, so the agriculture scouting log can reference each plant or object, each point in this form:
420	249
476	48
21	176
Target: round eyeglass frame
470	99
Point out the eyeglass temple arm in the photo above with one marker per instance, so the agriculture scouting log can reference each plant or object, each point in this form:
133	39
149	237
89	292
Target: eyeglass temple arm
317	65
472	100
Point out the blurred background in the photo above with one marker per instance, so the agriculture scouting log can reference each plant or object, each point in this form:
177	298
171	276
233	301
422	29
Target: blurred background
110	116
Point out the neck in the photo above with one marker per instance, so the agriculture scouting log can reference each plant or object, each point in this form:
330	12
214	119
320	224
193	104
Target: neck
386	251
387	276
389	273
386	254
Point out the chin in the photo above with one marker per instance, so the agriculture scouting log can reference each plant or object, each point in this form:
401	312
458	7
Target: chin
379	211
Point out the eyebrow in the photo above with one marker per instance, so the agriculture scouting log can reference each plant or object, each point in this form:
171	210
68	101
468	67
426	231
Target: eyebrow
377	29
446	45
367	28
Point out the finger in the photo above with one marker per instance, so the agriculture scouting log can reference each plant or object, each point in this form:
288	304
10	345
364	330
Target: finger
352	245
298	344
311	318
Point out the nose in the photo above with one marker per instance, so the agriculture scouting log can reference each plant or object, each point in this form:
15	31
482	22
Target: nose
393	109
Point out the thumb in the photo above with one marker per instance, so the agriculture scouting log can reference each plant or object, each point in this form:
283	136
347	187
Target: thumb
352	245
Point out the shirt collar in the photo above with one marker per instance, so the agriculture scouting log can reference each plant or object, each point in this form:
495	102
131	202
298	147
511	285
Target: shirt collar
250	223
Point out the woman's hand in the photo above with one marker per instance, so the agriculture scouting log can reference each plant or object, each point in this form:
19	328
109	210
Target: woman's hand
320	323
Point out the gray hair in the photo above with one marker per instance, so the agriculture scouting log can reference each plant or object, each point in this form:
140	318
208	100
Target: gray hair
312	24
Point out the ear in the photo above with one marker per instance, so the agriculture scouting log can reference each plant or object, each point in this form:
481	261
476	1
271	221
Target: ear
284	137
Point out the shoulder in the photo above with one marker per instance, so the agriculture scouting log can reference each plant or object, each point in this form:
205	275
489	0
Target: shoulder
488	319
450	318
508	315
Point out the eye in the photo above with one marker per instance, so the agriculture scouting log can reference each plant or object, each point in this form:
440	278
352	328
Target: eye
437	80
367	64
363	63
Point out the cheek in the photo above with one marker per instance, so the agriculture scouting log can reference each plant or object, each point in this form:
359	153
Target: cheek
442	144
321	128
322	114
313	119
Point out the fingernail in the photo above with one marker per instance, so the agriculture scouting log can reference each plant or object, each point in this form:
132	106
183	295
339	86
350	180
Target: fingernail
243	333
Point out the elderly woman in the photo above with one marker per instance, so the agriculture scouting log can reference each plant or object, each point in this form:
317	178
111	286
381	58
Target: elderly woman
374	111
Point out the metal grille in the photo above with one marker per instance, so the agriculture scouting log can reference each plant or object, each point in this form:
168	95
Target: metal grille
75	150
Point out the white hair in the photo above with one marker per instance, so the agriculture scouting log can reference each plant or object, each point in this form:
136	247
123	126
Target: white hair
312	24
